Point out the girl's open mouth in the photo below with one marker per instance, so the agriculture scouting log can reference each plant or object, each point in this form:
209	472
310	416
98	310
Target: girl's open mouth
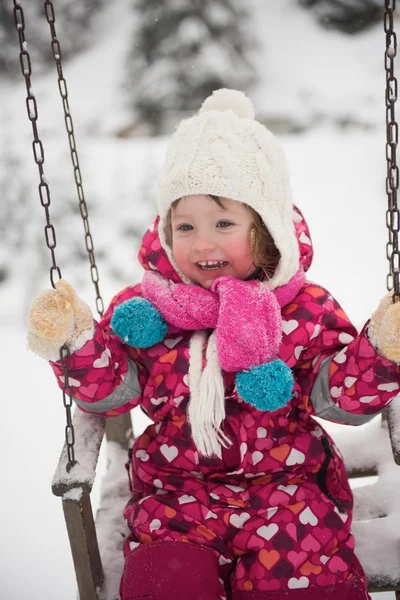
211	265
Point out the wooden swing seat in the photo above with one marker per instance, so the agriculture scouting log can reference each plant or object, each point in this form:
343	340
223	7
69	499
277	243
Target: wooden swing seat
97	555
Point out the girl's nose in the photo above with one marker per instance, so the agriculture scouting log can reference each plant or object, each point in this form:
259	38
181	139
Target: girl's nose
203	244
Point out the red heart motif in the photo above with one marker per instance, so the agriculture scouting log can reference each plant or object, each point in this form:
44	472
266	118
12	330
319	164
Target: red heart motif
297	558
324	579
88	349
292	531
255	542
337	564
323	534
257	571
366	350
310	544
89	391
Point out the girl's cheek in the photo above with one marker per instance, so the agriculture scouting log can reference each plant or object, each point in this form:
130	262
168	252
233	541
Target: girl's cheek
179	253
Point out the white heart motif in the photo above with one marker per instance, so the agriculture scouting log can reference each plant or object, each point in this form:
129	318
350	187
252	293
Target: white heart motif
142	455
289	326
243	450
295	457
304	239
268	531
239	520
336	391
296	217
367	399
257	456
297	351
170	343
211	515
345	338
178	400
341	357
342	515
294	583
307	516
158	401
288	489
388	387
348	381
316	331
155	524
133	545
103	361
261	432
170	452
185	499
271	511
234	488
71	381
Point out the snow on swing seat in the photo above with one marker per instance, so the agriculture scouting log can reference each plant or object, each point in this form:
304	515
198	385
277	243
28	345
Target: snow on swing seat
367	451
110	525
96	546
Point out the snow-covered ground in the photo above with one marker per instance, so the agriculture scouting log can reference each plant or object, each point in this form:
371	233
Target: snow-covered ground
338	180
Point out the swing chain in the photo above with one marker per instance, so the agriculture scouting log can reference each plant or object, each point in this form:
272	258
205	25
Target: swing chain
45	200
392	138
62	85
65	357
38	151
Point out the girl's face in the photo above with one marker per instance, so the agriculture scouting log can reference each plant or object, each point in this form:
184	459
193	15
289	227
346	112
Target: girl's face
209	241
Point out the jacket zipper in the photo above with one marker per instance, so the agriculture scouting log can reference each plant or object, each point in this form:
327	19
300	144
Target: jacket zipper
322	475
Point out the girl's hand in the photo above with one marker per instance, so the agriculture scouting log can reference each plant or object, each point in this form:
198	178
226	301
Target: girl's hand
384	328
58	317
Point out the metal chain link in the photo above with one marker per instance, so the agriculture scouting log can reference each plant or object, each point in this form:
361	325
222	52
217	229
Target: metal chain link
45	200
38	151
65	358
62	85
392	138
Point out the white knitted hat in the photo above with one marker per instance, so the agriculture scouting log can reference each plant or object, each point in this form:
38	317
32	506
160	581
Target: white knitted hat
224	151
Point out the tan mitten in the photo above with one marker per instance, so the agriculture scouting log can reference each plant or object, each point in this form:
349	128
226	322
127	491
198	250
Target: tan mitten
58	317
384	328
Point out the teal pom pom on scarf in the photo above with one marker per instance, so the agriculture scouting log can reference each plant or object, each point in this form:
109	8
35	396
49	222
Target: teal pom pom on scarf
138	323
267	387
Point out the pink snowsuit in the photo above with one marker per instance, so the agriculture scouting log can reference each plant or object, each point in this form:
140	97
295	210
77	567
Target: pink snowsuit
271	517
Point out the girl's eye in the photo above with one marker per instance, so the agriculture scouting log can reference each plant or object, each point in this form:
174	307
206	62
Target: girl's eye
185	227
224	224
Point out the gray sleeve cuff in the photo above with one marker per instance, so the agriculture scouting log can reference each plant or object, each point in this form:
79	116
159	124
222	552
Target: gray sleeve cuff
324	405
126	391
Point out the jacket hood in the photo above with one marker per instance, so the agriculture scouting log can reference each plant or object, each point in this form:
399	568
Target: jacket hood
153	257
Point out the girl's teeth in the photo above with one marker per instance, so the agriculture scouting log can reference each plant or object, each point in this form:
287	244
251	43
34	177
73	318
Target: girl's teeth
211	265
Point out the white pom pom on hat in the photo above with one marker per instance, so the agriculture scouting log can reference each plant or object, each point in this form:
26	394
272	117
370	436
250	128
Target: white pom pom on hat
225	99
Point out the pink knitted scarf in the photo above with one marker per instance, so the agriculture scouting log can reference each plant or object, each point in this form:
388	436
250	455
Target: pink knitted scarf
245	315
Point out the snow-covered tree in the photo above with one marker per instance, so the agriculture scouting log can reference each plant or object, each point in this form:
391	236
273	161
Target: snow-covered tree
73	18
350	16
182	50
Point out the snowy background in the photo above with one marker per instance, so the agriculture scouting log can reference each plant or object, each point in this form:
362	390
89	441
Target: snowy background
321	90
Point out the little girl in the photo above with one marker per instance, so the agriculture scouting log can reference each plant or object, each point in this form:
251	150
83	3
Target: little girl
237	491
